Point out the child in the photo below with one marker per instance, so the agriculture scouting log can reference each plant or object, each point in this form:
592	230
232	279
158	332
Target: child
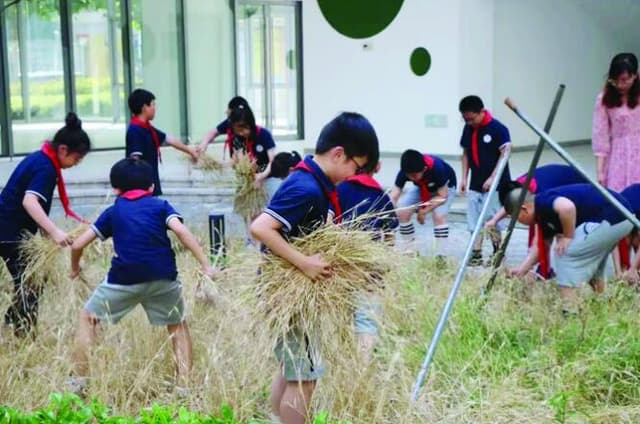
143	269
586	228
223	127
25	203
484	141
360	195
283	164
434	180
345	146
255	141
144	140
544	178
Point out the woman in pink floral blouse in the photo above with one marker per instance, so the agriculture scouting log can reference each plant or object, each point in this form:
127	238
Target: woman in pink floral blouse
616	125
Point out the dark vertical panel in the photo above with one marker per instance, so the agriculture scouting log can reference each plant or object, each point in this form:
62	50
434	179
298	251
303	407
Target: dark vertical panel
66	31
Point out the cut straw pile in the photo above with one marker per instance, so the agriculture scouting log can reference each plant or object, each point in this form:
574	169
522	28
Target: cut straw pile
45	262
208	164
249	200
322	309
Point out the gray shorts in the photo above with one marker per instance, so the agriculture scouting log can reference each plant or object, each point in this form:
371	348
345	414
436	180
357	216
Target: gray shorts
301	361
475	200
411	197
161	300
367	315
587	254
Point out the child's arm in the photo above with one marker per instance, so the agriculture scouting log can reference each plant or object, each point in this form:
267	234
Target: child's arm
503	151
499	216
465	171
179	145
260	177
77	248
210	135
529	261
31	204
395	193
265	228
189	241
566	211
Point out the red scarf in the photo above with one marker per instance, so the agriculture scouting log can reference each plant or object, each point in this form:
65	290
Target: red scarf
50	152
474	137
154	135
423	184
625	254
533	188
365	180
543	253
331	195
135	194
249	143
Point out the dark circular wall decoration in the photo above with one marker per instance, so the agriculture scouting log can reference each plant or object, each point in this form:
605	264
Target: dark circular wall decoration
420	61
359	18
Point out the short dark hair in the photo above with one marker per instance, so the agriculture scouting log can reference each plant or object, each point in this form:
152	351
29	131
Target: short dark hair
471	104
139	98
237	101
411	161
282	162
72	135
131	174
511	197
354	133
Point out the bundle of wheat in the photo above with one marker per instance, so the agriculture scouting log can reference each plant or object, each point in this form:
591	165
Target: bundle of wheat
249	198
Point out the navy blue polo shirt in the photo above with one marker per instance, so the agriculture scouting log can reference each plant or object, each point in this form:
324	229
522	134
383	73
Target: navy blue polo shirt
223	127
263	143
140	142
492	138
554	175
356	200
142	248
591	206
35	174
301	204
632	195
440	175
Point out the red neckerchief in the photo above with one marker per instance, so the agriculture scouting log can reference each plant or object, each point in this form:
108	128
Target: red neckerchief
474	137
331	195
625	254
533	184
365	180
249	143
50	152
154	135
423	184
135	194
543	252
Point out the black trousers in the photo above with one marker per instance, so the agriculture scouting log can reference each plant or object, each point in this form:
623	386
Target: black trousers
22	314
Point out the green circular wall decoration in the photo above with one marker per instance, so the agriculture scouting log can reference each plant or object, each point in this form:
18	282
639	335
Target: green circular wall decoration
359	18
420	61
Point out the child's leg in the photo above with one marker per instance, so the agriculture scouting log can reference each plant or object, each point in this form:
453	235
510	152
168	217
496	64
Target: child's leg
440	232
406	229
296	400
182	351
474	206
22	314
278	386
86	335
569	297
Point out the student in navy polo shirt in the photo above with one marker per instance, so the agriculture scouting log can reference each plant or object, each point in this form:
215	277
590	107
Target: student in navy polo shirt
626	266
359	196
144	140
25	203
255	141
484	140
586	228
434	188
544	178
345	145
223	127
143	270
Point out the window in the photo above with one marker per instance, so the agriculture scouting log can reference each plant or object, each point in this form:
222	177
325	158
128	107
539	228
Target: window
268	63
